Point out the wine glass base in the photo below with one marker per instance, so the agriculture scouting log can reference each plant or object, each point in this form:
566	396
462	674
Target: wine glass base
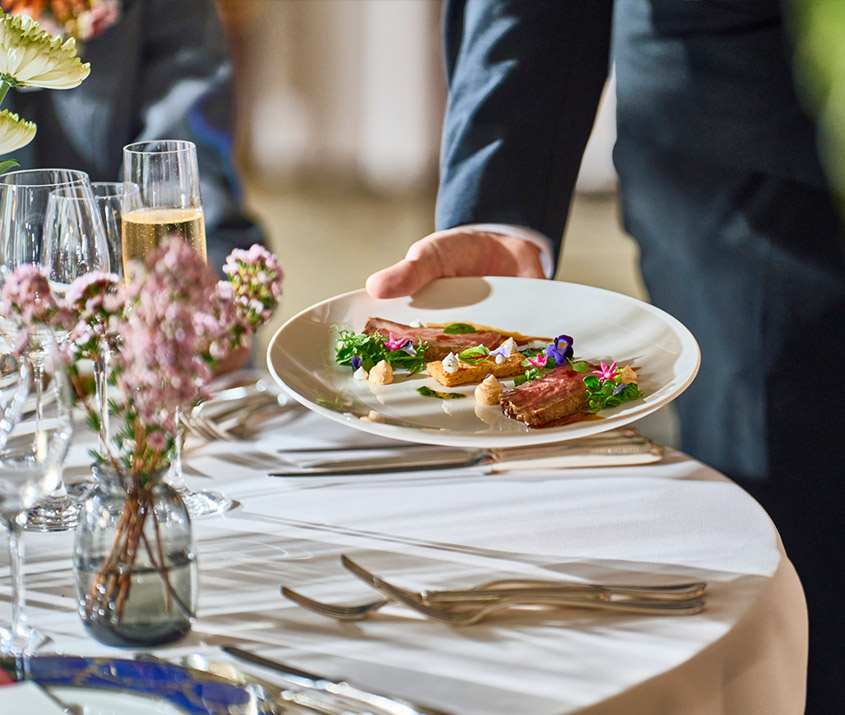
53	514
205	503
21	641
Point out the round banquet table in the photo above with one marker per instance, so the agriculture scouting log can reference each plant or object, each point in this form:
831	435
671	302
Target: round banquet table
671	520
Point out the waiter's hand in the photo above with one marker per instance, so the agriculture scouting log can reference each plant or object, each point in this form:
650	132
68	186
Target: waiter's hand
456	252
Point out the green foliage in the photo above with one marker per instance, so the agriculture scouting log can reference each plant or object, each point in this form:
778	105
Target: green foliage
371	350
604	394
473	356
459	329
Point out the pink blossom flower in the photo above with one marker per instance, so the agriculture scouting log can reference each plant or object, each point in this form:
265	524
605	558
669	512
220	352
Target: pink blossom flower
27	301
256	279
396	344
539	361
607	372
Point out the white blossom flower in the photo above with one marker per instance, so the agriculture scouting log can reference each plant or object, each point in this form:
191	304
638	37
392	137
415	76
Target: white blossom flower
14	132
31	57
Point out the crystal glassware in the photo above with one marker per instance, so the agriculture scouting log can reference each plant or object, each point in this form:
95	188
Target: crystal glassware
24	199
111	197
35	433
168	202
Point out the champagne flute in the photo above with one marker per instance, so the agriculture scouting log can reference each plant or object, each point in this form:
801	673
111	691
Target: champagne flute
168	202
35	433
24	197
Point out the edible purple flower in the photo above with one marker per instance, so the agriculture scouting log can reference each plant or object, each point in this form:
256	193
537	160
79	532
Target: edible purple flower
356	362
501	350
560	350
621	386
607	372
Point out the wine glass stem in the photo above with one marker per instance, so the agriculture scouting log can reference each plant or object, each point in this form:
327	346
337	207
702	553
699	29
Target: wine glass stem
38	373
176	477
101	377
19	634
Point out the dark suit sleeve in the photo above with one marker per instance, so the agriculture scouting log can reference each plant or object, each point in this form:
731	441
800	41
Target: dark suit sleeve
186	92
524	80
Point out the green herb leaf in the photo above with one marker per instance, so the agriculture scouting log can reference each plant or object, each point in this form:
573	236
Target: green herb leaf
471	356
428	392
580	366
459	329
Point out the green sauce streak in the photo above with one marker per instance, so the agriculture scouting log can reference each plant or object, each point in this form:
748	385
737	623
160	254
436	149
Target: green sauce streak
428	392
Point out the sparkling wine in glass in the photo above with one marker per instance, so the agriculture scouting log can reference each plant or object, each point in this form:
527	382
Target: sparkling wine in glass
35	433
168	200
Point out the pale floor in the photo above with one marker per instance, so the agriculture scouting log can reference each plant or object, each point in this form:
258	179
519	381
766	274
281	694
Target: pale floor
329	242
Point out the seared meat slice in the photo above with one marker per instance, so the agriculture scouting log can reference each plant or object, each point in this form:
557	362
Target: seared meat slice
537	402
439	343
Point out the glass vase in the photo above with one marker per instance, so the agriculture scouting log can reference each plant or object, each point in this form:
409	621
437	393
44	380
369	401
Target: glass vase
134	561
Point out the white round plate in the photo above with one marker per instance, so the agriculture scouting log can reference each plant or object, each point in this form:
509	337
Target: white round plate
604	326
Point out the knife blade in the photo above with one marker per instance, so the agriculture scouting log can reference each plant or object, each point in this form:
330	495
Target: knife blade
380	703
624	451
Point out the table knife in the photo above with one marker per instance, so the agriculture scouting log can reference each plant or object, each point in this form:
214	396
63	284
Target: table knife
627	451
380	703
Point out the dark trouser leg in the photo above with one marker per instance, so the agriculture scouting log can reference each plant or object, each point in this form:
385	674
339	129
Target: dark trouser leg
754	267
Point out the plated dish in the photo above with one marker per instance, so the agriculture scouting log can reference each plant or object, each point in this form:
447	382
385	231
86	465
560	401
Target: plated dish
605	326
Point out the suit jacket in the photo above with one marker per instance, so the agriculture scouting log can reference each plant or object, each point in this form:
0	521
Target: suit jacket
161	72
710	79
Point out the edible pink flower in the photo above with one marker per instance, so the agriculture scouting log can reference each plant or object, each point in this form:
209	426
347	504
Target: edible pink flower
607	372
539	361
395	343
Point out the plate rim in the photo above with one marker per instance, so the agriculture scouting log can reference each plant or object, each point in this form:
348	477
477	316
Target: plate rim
499	440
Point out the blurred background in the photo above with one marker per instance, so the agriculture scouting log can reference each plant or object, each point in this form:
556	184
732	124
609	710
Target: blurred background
338	138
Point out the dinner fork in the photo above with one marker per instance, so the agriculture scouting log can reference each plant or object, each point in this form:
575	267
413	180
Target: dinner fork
597	600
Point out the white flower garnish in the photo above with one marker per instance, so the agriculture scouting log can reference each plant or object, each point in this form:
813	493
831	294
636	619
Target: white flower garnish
450	363
511	346
14	132
31	57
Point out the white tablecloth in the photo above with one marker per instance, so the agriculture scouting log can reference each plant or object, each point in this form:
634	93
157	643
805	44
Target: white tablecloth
677	519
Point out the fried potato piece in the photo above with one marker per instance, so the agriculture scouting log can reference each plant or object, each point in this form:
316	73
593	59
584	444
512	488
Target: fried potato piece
467	374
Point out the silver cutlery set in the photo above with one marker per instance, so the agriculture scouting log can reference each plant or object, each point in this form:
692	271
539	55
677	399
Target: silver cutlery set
470	606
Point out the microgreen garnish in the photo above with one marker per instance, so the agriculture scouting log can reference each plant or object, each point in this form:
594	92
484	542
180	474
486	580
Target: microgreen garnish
459	329
580	366
473	356
428	392
538	367
603	393
359	350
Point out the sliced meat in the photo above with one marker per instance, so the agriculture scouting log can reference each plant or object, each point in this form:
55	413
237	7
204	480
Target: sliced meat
439	343
537	402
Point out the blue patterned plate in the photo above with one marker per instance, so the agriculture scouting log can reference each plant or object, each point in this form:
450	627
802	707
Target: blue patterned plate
187	691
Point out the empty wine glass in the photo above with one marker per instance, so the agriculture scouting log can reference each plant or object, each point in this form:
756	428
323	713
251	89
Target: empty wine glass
23	205
24	199
35	432
168	202
74	244
111	197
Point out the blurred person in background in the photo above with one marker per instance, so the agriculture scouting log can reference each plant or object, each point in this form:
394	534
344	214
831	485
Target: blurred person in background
721	186
160	69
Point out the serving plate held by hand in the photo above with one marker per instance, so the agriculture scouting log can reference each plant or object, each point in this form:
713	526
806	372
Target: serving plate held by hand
604	326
